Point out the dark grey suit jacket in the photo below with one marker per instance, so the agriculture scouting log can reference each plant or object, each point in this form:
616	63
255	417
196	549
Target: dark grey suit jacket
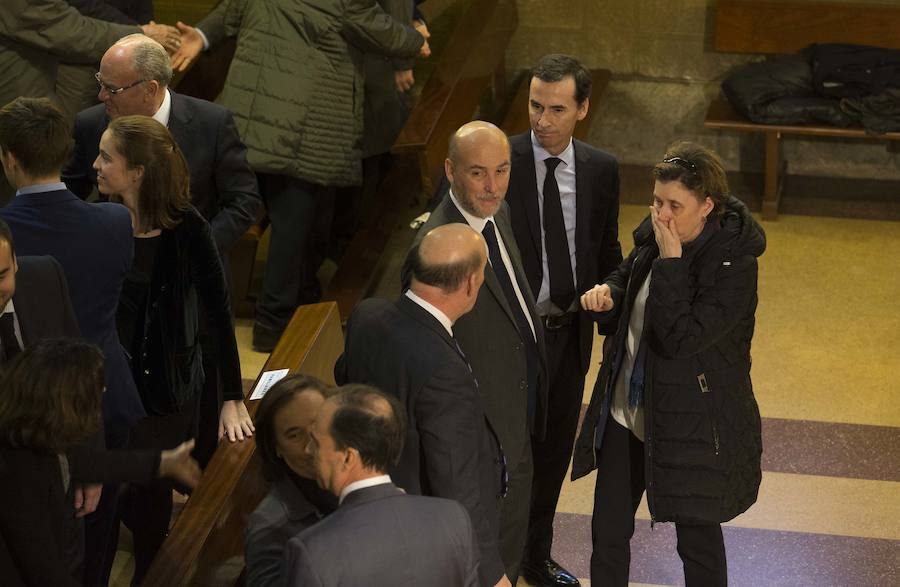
223	187
450	449
282	514
597	250
43	307
382	536
489	337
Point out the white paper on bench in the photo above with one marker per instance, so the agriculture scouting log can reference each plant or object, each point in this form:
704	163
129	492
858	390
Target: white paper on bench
267	380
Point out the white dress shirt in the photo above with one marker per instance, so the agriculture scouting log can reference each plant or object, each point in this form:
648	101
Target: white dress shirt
565	179
478	225
431	309
362	484
165	110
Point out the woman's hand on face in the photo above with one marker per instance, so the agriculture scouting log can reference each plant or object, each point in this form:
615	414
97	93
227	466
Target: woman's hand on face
597	299
179	465
234	421
666	238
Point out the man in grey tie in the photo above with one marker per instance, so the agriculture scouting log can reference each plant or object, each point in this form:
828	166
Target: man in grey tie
397	539
502	335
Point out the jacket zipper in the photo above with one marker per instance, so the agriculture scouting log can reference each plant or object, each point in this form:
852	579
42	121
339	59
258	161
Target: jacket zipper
704	388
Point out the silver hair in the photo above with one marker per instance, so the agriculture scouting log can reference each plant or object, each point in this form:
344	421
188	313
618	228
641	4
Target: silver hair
149	59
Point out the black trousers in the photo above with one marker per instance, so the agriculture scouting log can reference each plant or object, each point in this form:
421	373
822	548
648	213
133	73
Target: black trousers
100	527
620	485
146	508
553	453
514	512
294	208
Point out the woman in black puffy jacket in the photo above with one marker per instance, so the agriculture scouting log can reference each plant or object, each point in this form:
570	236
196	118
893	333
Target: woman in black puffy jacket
673	411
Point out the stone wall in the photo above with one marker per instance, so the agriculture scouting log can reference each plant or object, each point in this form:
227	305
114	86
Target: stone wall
665	72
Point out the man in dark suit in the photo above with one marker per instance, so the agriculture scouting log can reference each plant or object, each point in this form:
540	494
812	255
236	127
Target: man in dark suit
34	299
407	349
34	305
93	243
134	77
502	335
564	206
394	538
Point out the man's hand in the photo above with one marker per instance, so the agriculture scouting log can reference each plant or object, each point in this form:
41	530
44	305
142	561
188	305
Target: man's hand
167	36
597	299
666	237
422	29
179	465
234	421
503	582
404	80
191	46
86	499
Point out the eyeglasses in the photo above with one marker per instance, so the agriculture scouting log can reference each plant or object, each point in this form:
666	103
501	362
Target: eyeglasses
114	91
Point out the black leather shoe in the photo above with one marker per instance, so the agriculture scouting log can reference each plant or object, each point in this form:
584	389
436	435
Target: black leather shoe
547	573
265	337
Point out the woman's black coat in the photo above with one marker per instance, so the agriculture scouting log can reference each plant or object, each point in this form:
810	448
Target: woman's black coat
702	427
188	279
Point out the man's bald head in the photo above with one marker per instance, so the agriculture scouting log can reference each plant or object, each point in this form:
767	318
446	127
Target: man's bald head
447	256
477	167
475	134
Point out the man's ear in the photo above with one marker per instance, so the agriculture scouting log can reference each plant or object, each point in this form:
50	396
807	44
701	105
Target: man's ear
448	169
583	108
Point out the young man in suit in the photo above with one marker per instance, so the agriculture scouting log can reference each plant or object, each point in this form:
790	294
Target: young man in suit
407	349
396	538
564	206
134	78
93	243
502	335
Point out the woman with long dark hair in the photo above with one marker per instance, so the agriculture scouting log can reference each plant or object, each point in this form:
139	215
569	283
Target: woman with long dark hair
673	411
50	397
176	283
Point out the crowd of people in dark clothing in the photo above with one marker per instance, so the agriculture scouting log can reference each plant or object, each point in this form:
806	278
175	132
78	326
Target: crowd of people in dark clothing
440	456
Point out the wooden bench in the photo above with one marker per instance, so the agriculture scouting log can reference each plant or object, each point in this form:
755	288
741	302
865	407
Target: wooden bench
469	66
206	544
752	26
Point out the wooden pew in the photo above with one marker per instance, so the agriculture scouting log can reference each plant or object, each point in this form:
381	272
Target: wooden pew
205	546
516	120
756	26
471	64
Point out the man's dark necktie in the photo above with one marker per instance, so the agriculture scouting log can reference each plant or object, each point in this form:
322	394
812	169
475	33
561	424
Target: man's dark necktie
525	332
8	338
562	286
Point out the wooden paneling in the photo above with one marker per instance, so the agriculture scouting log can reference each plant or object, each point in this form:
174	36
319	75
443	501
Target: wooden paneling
453	91
205	547
750	26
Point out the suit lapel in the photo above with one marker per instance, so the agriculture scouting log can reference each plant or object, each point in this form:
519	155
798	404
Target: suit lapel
502	222
526	187
179	121
583	192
